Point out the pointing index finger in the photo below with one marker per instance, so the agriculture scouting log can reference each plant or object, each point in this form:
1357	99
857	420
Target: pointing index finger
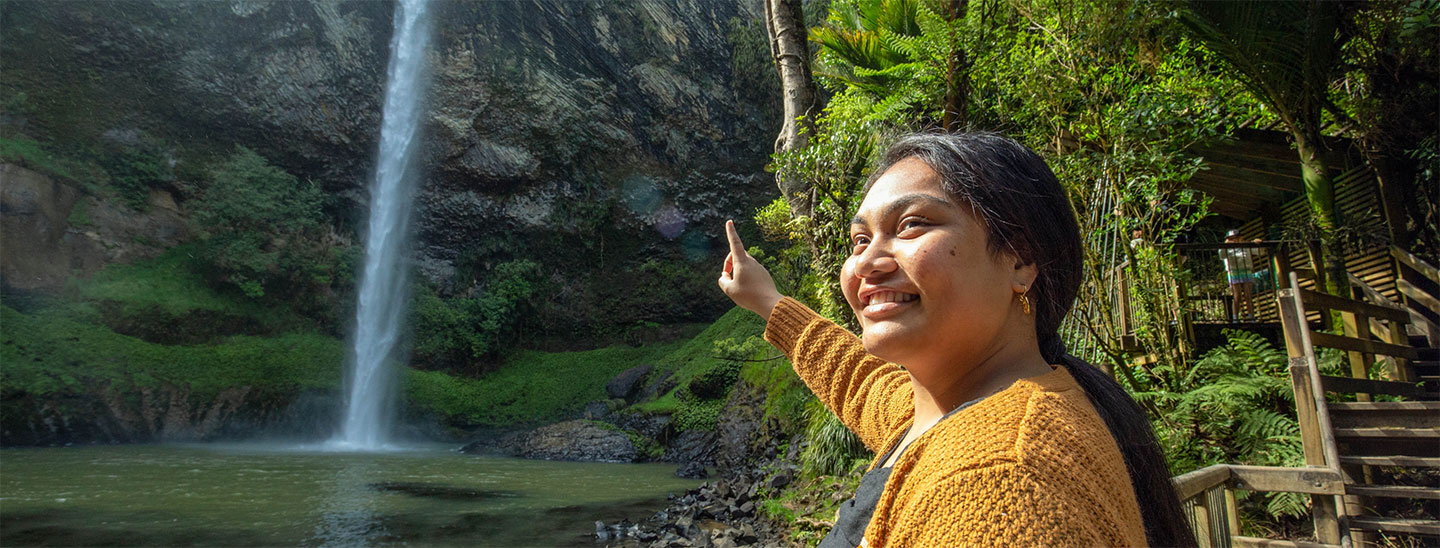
736	248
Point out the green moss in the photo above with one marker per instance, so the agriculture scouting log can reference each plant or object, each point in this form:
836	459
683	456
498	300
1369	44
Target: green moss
80	214
786	396
32	155
56	350
698	355
531	387
663	405
173	284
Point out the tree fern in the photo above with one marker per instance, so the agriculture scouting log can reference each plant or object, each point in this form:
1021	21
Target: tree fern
1239	410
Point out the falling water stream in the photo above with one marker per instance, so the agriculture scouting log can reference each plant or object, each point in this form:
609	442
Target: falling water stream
382	298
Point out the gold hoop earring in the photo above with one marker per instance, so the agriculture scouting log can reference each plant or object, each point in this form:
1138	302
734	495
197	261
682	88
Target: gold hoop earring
1025	303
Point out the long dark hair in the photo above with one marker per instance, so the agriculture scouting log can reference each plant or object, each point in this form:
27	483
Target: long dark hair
1027	213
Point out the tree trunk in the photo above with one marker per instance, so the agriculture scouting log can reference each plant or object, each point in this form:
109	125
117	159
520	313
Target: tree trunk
785	23
957	75
1320	195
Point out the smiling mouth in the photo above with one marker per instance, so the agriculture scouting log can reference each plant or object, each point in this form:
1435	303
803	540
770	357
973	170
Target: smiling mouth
883	302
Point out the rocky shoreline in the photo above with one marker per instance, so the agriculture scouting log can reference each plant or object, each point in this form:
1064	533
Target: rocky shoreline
720	514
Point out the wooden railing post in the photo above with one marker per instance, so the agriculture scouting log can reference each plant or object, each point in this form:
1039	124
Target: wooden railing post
1324	510
1358	325
1232	512
1203	535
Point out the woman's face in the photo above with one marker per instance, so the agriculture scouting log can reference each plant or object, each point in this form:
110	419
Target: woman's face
921	277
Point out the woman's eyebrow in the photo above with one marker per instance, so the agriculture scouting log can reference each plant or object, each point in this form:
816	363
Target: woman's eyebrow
903	202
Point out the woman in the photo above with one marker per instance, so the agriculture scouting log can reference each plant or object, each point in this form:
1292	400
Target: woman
965	259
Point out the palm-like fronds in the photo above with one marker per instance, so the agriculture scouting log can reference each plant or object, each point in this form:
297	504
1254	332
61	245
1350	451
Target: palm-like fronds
1239	409
863	41
1285	51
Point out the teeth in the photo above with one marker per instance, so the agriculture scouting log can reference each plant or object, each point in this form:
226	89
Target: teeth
891	297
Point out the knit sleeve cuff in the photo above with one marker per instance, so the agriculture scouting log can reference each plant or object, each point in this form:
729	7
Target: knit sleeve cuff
787	321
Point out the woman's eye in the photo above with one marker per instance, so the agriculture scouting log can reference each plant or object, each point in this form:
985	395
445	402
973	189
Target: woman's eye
856	242
912	223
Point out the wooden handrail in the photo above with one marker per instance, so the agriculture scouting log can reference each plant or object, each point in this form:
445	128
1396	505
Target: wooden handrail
1322	413
1327	511
1313	480
1352	344
1265	244
1326	300
1377	298
1267	479
1195	482
1416	294
1416	264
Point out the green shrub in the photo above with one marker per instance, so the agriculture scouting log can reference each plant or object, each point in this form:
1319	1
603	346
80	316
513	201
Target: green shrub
452	333
832	449
134	170
697	414
262	231
1240	411
714	383
529	388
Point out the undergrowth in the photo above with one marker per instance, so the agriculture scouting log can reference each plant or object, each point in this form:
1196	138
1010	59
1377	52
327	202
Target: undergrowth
51	351
531	387
171	283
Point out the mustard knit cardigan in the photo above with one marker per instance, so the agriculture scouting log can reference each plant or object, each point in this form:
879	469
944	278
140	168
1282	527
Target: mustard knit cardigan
1032	465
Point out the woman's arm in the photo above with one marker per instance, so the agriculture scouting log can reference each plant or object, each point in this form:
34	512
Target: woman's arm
871	397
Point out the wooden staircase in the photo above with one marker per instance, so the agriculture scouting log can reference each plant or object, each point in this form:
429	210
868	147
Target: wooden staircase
1345	429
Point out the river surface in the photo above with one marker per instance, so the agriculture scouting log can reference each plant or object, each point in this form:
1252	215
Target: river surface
238	495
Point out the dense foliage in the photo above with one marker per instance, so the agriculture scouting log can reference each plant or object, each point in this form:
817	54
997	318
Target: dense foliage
1238	408
454	333
1117	96
264	232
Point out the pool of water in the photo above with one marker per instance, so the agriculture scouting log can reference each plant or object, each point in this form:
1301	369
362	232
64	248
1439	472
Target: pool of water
243	495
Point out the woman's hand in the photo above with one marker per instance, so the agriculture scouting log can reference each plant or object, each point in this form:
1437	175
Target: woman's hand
744	280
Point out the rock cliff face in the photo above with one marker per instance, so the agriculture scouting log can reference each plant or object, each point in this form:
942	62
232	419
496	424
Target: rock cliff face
49	230
164	413
597	137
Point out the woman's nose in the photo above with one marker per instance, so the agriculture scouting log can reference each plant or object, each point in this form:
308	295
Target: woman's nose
876	260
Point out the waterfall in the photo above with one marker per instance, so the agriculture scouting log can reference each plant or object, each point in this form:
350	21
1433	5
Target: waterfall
383	297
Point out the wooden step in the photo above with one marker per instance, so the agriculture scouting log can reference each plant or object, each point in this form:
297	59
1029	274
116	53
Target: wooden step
1371	441
1388	433
1366	386
1394	460
1388	446
1393	491
1396	525
1238	541
1402	414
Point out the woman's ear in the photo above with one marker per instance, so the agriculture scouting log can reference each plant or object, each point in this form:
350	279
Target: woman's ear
1024	277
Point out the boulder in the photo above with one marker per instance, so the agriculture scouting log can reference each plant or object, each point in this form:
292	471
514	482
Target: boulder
690	446
625	384
692	470
578	440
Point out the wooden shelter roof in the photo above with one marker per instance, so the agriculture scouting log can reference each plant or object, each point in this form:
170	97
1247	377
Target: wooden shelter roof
1257	170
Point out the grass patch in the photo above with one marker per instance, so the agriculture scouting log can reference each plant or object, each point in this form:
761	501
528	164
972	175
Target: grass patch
697	355
30	154
531	387
53	352
169	282
172	285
